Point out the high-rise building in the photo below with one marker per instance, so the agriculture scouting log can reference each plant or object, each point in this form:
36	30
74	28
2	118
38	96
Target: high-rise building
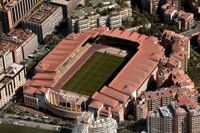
180	119
160	121
10	81
194	120
13	11
68	6
17	45
44	20
181	116
101	125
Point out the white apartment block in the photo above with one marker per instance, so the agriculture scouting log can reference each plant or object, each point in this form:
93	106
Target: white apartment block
89	18
6	59
115	21
44	20
101	125
10	81
16	46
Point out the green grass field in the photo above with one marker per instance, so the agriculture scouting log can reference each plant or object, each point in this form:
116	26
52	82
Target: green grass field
93	74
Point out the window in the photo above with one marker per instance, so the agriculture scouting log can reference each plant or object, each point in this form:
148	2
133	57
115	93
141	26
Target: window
68	105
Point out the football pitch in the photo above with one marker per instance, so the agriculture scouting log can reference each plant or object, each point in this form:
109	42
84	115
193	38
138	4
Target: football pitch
93	74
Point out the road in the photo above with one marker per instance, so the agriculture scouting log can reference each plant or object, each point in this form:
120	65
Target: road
29	124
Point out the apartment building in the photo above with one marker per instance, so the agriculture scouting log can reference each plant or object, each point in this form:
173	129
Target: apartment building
43	20
79	22
166	67
83	19
177	47
115	20
180	118
91	17
26	39
17	45
194	119
150	101
160	121
174	42
183	20
181	79
68	6
10	81
171	73
169	3
101	125
6	59
140	110
157	6
13	11
153	6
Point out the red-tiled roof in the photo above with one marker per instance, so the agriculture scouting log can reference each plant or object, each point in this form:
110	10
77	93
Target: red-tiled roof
118	108
138	68
184	100
30	90
171	10
61	53
104	99
95	104
142	63
41	90
114	94
44	76
43	83
65	49
185	15
126	35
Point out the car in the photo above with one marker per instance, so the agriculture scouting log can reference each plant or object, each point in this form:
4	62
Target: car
45	117
31	56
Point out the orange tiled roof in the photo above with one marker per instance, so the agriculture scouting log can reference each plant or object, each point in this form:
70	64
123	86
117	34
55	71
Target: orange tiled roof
44	76
42	90
118	108
184	100
65	49
30	90
114	94
95	104
104	99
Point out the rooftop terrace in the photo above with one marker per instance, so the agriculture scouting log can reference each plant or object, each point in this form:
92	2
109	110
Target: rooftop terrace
42	13
14	39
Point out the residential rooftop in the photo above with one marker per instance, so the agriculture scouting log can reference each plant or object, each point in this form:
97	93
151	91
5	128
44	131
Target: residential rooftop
154	113
10	73
189	102
165	112
83	12
43	11
14	39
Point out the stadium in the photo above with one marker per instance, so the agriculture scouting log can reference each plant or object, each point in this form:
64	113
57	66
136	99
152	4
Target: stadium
98	70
